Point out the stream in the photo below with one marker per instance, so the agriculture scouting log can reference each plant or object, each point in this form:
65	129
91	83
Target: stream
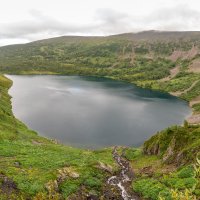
123	180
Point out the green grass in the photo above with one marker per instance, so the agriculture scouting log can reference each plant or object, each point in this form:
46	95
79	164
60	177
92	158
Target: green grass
151	189
183	141
196	108
154	186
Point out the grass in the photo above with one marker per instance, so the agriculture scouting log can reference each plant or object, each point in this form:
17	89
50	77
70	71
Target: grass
196	108
156	180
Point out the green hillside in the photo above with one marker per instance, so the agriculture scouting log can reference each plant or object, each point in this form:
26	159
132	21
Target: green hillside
165	167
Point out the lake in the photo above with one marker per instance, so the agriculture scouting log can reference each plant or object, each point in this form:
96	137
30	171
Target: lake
90	112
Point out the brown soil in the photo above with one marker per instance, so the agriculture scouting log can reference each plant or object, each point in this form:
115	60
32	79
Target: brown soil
8	187
194	119
195	66
195	101
184	54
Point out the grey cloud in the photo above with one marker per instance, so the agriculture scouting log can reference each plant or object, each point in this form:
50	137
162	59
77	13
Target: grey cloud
111	21
106	21
180	17
37	25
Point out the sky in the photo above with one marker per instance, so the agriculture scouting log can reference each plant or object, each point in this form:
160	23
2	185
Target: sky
23	21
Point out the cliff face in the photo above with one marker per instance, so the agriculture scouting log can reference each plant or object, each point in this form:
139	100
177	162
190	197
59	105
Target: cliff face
177	144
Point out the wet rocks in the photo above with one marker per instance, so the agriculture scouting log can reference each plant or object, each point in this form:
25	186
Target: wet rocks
122	181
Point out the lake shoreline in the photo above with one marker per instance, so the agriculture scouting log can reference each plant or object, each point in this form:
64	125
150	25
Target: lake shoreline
193	118
109	80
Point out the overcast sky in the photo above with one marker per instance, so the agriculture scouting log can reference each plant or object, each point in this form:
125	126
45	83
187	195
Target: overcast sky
27	20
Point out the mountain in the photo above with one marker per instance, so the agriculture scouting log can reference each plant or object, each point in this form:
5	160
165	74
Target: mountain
33	167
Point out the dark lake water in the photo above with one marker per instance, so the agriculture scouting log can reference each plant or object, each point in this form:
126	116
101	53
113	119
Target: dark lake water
93	112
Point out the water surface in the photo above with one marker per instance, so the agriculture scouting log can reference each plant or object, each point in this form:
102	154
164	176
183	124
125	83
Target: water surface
93	112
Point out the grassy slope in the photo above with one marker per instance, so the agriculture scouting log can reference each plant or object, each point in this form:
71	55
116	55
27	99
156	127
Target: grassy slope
31	161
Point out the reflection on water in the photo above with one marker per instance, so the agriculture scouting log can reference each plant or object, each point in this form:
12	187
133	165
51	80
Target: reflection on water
93	112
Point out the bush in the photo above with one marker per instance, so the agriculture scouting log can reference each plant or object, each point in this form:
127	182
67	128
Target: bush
152	189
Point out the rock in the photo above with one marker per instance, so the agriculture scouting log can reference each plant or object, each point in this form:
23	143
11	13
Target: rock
66	172
92	197
153	150
146	170
105	167
52	186
170	150
74	175
17	164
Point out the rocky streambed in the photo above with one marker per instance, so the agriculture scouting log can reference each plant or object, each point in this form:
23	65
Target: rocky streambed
121	182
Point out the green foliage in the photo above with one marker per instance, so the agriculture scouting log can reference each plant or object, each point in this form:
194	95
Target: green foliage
152	189
169	186
93	182
183	141
179	83
69	187
194	92
185	178
132	153
186	172
196	108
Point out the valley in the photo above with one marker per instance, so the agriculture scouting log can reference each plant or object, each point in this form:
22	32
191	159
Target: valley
165	167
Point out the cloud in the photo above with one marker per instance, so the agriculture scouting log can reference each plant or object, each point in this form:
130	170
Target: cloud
112	21
180	17
37	24
104	22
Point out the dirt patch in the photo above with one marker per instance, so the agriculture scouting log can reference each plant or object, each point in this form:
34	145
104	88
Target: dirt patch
194	119
195	66
184	54
36	142
176	55
7	186
195	101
